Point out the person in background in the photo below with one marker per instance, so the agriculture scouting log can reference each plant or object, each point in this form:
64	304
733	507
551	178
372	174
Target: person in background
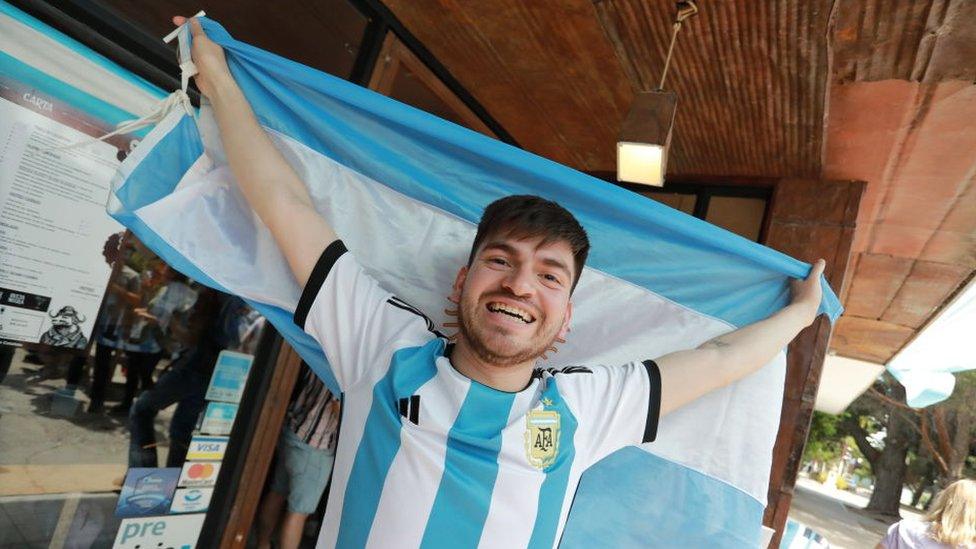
949	524
114	321
165	293
213	325
303	466
6	358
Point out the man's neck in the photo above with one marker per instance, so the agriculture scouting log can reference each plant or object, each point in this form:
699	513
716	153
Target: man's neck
504	378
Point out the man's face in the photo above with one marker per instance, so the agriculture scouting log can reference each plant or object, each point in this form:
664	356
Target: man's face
514	298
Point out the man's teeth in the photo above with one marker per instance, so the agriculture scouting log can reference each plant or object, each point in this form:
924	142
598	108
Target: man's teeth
524	316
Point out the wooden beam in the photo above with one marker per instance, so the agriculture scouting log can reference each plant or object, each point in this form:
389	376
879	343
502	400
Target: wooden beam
266	431
395	57
808	220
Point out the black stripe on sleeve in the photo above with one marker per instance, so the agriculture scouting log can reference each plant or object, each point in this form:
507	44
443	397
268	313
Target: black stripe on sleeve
415	409
321	270
653	401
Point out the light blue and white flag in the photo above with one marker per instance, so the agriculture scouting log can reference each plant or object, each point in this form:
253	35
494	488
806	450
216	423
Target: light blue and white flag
405	190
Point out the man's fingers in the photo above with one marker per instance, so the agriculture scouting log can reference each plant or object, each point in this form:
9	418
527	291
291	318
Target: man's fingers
195	29
818	268
179	20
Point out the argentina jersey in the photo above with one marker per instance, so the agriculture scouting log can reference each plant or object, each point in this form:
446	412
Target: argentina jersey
430	458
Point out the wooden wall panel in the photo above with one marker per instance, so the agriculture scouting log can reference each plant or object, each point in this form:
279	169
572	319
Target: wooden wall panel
805	226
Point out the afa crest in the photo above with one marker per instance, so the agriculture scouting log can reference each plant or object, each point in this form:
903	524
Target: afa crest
542	437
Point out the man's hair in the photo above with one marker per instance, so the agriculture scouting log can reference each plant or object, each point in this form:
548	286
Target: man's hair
528	216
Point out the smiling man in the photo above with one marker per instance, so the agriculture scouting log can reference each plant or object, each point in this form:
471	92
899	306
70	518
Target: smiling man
463	441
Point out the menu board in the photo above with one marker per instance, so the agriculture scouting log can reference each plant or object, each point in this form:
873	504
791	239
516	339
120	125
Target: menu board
53	224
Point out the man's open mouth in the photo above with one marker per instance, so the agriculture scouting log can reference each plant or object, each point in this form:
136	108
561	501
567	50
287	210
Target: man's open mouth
511	311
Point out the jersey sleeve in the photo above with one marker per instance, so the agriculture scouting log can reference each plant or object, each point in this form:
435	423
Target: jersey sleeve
617	406
358	323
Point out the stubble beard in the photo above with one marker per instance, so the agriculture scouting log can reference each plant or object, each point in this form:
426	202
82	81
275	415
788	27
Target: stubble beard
477	336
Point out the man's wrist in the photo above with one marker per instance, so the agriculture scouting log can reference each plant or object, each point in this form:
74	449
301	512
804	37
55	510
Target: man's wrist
801	314
224	89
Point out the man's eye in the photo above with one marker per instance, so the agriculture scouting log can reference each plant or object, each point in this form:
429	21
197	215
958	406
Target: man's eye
497	261
551	278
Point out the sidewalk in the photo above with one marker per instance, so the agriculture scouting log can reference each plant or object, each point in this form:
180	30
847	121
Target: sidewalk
57	472
836	514
45	453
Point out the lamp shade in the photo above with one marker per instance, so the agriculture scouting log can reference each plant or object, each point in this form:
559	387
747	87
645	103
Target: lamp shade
645	137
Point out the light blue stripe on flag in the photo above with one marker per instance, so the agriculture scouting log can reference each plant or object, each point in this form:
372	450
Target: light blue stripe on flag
666	505
460	171
470	468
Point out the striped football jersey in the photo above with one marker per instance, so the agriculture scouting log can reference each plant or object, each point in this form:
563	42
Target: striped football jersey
430	458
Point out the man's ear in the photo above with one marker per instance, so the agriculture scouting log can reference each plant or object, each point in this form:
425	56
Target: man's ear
458	285
564	329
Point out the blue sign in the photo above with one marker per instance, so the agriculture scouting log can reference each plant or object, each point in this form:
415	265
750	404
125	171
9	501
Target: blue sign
230	374
147	491
219	418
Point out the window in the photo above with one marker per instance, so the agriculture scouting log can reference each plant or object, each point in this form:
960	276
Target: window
738	208
400	74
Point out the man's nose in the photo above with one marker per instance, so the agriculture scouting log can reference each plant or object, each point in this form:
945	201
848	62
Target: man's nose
519	282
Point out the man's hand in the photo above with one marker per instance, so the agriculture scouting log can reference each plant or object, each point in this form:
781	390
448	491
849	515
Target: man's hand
808	293
270	185
144	314
688	375
212	70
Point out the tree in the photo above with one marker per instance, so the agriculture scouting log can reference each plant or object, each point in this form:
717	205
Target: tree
823	442
948	429
939	440
870	415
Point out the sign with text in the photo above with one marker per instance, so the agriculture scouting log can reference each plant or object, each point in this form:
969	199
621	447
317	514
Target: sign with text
191	500
197	474
147	491
174	531
219	418
207	448
229	376
54	225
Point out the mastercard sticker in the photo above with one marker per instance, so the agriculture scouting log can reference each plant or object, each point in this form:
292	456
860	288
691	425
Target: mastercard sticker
199	473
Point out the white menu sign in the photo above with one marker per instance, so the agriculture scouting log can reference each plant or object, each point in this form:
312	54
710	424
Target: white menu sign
53	226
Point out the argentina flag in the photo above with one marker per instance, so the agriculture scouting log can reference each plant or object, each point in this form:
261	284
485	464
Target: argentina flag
404	190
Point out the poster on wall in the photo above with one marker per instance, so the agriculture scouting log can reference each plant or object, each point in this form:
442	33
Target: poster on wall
53	225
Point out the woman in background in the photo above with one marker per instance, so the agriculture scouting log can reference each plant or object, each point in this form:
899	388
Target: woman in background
949	524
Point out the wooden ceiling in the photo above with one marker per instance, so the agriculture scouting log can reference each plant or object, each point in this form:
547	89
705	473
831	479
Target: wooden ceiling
876	90
902	117
559	75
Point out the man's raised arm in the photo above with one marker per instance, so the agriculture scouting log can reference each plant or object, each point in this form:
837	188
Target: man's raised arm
273	190
687	375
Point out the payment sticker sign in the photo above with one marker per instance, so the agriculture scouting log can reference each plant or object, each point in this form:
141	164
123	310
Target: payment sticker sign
207	448
191	500
219	418
197	474
177	531
147	491
229	376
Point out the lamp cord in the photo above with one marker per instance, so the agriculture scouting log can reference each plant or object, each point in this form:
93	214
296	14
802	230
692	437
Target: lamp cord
686	9
667	60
